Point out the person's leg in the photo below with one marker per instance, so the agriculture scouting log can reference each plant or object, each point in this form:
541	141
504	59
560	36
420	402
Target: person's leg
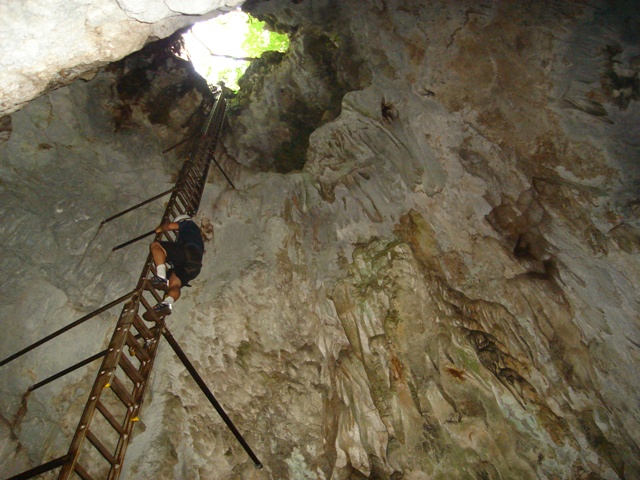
159	255
165	306
173	292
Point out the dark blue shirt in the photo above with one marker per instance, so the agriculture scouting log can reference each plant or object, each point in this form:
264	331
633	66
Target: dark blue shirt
189	234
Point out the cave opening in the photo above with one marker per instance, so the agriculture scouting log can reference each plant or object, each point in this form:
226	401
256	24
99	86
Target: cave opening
222	48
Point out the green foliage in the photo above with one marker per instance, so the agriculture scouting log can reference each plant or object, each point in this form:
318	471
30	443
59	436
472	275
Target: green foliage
257	41
242	31
260	40
230	76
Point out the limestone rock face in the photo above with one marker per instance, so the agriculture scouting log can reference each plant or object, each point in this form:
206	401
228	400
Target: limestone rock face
48	44
304	93
443	285
69	160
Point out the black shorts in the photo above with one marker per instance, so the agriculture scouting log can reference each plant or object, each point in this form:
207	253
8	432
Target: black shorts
184	260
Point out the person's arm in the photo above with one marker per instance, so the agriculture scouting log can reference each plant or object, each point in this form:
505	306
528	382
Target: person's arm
167	227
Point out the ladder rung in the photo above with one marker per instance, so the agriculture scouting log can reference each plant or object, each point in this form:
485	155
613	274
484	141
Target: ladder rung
156	296
110	418
168	235
80	470
199	183
179	209
120	390
131	371
198	178
186	192
197	190
171	235
136	334
186	195
146	304
138	349
182	198
190	180
141	327
101	448
191	186
192	174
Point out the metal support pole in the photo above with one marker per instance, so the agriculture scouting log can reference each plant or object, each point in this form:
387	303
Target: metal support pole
133	240
181	142
225	175
67	328
196	376
70	369
113	217
58	462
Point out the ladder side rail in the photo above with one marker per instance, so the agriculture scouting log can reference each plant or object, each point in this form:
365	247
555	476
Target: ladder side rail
138	395
196	165
193	159
208	146
107	369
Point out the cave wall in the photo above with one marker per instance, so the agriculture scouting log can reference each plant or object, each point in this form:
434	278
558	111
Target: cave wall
49	44
441	286
69	160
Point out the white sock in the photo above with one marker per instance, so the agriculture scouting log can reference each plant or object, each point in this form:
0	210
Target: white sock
161	270
168	300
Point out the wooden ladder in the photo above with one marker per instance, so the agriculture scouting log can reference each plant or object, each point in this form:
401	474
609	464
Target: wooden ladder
122	380
115	400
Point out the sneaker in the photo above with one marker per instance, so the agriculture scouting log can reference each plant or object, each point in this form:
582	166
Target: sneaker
160	310
159	283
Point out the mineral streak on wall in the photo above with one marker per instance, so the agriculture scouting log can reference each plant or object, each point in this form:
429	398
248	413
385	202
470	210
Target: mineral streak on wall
428	269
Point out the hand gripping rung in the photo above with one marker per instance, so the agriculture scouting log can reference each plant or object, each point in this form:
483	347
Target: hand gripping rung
110	418
101	448
120	390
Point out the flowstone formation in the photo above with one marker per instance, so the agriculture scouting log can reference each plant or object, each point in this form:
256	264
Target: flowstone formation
427	269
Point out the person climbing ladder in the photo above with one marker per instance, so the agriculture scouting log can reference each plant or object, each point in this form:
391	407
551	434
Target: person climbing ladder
177	262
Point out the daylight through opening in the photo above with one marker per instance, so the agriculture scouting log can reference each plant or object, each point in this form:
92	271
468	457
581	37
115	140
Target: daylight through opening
222	48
